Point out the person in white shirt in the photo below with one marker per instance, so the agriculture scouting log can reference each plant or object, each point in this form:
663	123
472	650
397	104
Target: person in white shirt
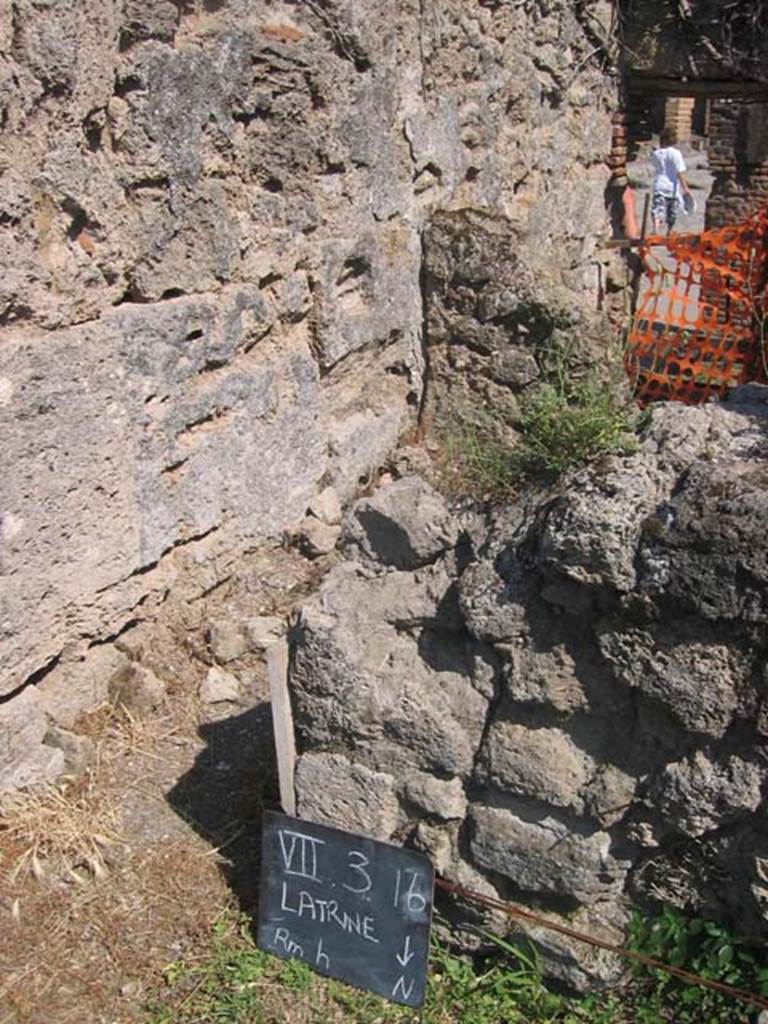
668	181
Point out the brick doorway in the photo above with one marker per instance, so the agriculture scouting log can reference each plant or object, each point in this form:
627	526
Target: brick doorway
722	131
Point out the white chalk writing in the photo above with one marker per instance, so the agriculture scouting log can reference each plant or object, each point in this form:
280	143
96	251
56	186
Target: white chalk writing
407	954
304	904
283	940
415	898
299	853
406	987
359	865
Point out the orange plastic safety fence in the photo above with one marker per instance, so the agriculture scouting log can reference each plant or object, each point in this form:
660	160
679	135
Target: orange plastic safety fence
696	332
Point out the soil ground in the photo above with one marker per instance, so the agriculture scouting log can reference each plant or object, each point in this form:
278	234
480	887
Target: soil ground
125	868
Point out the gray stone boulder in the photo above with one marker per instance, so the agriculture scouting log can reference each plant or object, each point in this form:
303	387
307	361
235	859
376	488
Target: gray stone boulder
377	665
333	789
592	532
496	608
543	765
226	640
705	552
219	687
694	679
577	965
698	794
443	799
137	689
406	524
543	856
26	761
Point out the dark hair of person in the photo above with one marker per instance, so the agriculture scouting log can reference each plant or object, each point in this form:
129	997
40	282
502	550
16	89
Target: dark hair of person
665	137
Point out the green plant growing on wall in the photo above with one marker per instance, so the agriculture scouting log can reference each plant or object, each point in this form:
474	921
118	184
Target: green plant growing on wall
565	420
571	418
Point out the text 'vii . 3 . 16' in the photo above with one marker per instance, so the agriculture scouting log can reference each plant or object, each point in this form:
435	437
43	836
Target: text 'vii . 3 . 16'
350	907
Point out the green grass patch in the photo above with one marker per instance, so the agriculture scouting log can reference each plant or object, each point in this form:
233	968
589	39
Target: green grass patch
477	444
570	417
237	983
234	982
565	426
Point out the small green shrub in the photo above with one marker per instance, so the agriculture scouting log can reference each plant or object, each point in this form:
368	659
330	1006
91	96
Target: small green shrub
701	947
566	427
570	417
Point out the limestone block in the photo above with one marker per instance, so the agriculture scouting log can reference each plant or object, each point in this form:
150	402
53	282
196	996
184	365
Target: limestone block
544	856
698	794
326	506
226	640
351	663
332	790
366	291
149	19
581	968
544	677
25	760
219	687
440	798
496	608
137	689
725	576
541	764
609	794
73	687
692	678
316	537
436	843
78	751
405	524
514	368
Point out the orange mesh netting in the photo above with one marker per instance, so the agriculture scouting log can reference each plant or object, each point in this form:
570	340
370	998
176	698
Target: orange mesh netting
697	332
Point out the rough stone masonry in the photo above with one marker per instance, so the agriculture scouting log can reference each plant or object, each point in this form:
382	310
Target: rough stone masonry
211	304
563	702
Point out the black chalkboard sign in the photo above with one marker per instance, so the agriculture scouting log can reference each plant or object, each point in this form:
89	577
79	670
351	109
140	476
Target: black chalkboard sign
350	907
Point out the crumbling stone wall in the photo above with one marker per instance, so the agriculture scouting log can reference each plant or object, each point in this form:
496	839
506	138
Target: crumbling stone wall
563	702
212	306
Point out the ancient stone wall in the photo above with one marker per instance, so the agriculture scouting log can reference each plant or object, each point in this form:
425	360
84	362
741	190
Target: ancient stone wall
738	156
564	702
212	304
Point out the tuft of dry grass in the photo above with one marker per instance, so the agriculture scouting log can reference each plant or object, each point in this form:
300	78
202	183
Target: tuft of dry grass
59	830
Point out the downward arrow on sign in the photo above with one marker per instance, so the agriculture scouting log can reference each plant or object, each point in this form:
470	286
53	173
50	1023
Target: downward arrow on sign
407	956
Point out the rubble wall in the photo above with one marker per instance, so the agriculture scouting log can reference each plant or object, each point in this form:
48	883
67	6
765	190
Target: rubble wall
563	700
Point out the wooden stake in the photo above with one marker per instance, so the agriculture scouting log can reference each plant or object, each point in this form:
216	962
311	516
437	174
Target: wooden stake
646	207
282	724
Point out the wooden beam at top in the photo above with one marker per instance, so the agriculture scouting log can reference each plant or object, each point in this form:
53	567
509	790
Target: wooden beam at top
677	87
